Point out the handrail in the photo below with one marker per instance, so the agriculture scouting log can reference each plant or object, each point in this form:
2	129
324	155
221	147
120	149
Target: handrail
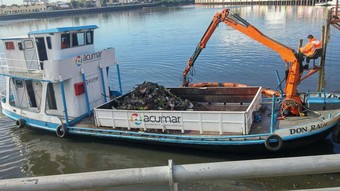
173	174
4	62
26	69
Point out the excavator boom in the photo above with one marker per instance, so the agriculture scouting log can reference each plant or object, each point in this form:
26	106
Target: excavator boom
287	54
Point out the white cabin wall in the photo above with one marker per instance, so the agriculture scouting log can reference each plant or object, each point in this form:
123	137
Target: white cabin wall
75	51
15	57
95	90
76	105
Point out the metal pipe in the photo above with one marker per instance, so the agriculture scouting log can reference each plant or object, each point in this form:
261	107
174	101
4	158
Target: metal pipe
86	92
103	81
179	173
119	80
273	116
61	82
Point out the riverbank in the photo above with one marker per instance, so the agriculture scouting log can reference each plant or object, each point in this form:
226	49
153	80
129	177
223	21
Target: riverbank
260	2
70	12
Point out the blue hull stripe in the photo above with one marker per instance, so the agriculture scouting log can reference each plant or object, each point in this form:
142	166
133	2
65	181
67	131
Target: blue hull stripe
32	122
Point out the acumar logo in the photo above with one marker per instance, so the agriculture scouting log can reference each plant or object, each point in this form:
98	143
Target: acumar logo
78	60
88	58
137	119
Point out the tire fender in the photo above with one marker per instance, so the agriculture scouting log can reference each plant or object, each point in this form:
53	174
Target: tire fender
61	131
269	144
20	123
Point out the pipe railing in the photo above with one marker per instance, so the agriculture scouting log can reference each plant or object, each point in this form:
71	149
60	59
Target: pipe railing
173	174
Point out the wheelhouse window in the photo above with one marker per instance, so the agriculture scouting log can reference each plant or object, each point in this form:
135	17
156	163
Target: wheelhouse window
18	83
65	41
48	41
28	44
78	39
20	46
89	37
9	45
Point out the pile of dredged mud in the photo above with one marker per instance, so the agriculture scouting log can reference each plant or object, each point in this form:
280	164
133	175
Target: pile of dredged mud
151	96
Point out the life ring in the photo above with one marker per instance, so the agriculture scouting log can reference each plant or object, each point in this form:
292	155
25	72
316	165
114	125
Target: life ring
275	147
61	131
20	123
217	84
336	134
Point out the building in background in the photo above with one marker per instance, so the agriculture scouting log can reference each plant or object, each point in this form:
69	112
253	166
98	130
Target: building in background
30	2
16	9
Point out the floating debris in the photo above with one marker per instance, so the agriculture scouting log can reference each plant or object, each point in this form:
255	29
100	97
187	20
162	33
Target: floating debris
151	96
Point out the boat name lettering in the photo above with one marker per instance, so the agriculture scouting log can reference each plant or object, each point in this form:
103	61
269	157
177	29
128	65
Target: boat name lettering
89	57
318	126
161	119
307	129
91	80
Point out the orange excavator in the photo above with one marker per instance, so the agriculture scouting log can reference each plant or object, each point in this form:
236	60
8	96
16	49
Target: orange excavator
292	101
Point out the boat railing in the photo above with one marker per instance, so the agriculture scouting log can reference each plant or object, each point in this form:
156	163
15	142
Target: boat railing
20	68
175	175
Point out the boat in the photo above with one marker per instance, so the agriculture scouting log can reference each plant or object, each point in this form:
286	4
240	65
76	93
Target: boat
327	3
57	82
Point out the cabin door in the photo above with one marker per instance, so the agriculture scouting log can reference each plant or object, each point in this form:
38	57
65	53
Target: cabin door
30	55
41	47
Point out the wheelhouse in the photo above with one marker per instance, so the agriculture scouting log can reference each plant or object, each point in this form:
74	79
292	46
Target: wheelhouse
55	72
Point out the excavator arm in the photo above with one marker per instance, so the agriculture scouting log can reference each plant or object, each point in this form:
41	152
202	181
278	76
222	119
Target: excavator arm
287	54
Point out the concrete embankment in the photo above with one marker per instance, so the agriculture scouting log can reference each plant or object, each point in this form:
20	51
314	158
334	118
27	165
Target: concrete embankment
259	2
68	12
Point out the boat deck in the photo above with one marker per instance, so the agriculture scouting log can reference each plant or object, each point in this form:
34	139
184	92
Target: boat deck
262	126
87	122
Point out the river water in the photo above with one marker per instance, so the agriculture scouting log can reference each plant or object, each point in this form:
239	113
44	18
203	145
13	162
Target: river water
154	44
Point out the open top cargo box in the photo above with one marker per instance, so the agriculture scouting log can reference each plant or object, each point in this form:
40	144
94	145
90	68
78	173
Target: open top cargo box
217	110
